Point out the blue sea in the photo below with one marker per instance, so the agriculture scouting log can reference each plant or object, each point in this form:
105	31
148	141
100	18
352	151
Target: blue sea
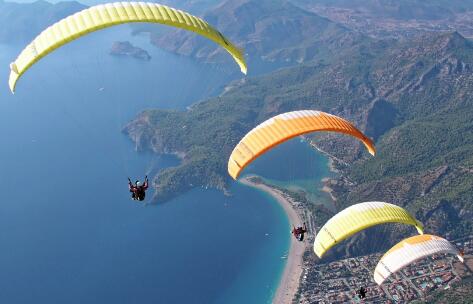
69	232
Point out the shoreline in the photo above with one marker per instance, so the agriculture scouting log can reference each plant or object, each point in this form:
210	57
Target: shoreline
289	283
327	189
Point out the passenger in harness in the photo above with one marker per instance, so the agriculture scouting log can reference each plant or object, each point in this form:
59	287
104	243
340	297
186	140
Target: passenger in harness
138	190
361	293
299	232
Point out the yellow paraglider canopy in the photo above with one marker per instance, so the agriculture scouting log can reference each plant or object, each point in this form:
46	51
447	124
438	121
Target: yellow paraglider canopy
359	217
110	14
284	127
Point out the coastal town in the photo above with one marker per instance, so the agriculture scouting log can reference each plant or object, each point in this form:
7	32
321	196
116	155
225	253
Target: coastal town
309	280
337	282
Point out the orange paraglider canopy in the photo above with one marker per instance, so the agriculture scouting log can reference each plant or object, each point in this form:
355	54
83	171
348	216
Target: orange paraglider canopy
283	127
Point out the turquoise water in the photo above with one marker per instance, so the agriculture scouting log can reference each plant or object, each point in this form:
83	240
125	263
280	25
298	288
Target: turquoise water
68	230
297	166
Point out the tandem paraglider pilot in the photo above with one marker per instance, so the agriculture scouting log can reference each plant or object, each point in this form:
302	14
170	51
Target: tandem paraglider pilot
299	232
361	293
138	189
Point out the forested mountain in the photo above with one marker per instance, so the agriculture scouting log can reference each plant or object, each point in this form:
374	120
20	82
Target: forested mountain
268	30
414	98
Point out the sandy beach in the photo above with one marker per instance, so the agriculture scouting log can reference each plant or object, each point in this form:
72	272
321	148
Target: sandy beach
293	270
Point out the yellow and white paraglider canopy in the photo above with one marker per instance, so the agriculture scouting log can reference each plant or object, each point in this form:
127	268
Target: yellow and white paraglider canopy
110	14
357	218
283	127
410	250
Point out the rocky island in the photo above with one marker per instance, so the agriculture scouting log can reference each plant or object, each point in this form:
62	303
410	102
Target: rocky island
125	48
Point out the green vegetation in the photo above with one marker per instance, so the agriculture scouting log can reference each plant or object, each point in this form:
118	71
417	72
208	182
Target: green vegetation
461	294
414	97
274	31
433	131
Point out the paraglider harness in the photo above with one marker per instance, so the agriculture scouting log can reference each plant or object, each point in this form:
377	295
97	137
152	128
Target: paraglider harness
361	293
138	193
299	232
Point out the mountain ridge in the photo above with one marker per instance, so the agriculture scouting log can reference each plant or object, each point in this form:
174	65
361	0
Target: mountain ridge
335	84
260	27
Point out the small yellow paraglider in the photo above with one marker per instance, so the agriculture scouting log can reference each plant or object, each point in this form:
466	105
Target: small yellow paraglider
106	15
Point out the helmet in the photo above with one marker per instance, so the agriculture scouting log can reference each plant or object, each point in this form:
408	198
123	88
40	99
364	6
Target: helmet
138	183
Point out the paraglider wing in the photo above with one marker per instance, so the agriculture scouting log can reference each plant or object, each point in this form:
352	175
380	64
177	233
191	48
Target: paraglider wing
110	14
284	127
409	251
359	217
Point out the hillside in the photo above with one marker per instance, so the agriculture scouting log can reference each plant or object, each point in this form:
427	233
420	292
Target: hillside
414	98
268	30
423	161
21	22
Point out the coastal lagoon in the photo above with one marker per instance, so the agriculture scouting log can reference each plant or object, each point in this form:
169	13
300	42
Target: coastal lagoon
68	229
295	165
